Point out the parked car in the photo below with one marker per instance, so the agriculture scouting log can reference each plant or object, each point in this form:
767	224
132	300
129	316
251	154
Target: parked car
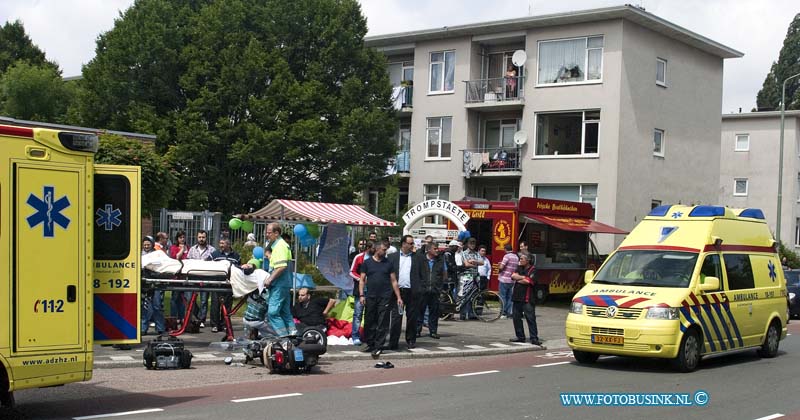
793	287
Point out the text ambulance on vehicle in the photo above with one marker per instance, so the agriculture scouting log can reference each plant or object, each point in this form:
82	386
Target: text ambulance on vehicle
69	246
688	281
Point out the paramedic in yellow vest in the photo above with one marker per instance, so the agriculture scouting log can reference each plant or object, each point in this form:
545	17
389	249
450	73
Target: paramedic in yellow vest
280	284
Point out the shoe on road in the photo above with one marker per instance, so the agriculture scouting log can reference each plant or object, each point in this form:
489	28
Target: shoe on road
435	336
356	342
517	340
214	329
376	353
202	325
411	345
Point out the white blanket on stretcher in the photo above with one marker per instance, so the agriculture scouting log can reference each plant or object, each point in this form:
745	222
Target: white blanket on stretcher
241	284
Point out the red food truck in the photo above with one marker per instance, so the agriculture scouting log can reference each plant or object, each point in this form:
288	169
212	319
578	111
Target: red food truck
557	233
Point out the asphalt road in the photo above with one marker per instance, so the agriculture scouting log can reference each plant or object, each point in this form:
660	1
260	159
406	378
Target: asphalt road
514	386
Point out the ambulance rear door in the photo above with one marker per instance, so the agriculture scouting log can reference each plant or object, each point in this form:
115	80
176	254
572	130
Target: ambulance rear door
117	253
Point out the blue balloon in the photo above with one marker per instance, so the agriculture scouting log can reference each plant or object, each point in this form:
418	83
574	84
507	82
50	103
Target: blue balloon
464	235
300	231
258	252
307	240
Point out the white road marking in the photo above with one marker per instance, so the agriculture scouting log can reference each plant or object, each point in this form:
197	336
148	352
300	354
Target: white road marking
268	397
353	352
124	413
419	350
475	346
552	364
500	345
461	375
121	358
448	348
205	355
771	416
382	384
521	344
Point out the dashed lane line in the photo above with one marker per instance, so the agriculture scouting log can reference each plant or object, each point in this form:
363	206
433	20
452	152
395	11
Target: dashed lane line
500	345
382	384
553	364
461	375
448	348
123	413
268	397
475	346
771	416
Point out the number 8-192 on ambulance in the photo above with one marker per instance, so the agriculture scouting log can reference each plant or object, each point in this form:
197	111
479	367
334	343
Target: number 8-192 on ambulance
67	226
687	282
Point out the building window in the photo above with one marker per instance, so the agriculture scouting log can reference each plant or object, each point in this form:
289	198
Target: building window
439	132
740	186
569	133
586	193
658	142
661	72
571	60
402	199
434	192
372	201
443	68
654	204
742	143
796	232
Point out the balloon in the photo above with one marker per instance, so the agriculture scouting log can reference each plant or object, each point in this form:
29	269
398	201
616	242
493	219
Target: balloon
247	226
258	252
313	230
307	240
235	223
255	262
300	231
464	235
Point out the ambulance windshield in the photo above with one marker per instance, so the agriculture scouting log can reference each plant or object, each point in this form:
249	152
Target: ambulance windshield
648	268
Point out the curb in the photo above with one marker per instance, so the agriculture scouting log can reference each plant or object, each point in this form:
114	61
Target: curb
238	357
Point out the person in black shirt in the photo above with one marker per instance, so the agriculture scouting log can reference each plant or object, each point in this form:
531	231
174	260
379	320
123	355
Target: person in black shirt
381	294
223	253
522	297
311	312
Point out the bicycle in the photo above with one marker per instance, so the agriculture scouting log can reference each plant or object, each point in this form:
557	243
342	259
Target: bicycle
486	304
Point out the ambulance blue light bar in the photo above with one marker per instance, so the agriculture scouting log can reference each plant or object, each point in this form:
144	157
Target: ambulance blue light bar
660	210
752	213
707	211
79	141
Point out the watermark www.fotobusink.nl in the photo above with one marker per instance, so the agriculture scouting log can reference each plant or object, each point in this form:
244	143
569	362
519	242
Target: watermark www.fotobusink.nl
669	399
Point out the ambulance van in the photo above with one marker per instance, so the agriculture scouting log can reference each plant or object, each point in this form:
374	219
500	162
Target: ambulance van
687	282
69	252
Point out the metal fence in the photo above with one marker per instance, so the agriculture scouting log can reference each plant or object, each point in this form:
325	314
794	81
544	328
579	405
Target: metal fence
173	221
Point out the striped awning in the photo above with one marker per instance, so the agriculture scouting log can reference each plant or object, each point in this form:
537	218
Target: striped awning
306	211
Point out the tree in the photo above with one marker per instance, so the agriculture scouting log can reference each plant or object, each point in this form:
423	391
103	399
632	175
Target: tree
15	45
788	64
159	183
31	92
255	99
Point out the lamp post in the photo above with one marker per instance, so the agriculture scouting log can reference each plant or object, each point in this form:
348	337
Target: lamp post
780	158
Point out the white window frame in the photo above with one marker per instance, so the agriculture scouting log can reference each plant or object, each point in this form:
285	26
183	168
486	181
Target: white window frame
428	128
583	135
659	153
736	142
437	219
746	187
662	83
502	125
797	232
441	90
580	192
585	81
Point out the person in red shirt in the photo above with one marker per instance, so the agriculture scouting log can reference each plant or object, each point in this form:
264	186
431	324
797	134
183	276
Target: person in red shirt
522	296
179	250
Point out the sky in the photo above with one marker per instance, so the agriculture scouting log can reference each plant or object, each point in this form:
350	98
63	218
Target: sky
67	29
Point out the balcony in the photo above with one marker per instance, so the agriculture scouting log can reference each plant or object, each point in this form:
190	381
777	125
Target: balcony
496	94
402	97
401	164
492	162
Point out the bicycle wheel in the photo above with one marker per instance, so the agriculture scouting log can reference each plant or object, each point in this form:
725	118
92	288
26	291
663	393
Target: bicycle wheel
446	305
487	305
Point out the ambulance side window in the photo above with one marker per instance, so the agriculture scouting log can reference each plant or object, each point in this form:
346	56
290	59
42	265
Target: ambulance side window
112	203
711	268
739	271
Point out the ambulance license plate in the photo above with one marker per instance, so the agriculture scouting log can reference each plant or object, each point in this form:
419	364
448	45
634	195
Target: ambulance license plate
608	339
298	355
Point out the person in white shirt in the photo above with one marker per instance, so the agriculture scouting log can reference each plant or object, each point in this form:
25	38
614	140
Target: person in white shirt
485	270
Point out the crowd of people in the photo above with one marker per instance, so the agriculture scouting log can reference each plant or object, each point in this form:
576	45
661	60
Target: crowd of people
388	285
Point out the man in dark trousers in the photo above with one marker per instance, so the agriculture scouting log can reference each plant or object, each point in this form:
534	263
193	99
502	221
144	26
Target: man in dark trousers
522	296
431	275
381	294
224	253
405	265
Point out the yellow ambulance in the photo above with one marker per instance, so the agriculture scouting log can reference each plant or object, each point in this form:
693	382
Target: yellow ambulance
687	282
69	252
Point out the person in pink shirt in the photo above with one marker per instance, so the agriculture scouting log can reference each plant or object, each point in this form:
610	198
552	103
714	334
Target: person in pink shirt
506	268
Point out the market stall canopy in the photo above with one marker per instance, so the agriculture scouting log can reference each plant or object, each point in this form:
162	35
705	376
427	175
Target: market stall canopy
311	212
575	224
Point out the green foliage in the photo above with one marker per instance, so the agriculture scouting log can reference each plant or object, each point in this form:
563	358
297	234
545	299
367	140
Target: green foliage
252	100
31	92
788	64
16	46
792	259
159	183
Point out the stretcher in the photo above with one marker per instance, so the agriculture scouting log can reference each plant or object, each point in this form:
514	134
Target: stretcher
159	272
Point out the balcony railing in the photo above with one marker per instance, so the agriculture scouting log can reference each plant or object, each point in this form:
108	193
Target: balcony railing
502	159
497	89
403	161
402	97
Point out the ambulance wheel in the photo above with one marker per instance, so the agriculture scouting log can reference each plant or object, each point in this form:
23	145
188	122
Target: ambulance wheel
585	357
689	354
540	293
7	399
769	349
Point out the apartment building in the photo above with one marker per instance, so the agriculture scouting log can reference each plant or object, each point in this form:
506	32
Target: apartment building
750	145
612	106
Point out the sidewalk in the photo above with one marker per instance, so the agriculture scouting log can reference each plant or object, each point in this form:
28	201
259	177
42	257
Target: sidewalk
458	339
